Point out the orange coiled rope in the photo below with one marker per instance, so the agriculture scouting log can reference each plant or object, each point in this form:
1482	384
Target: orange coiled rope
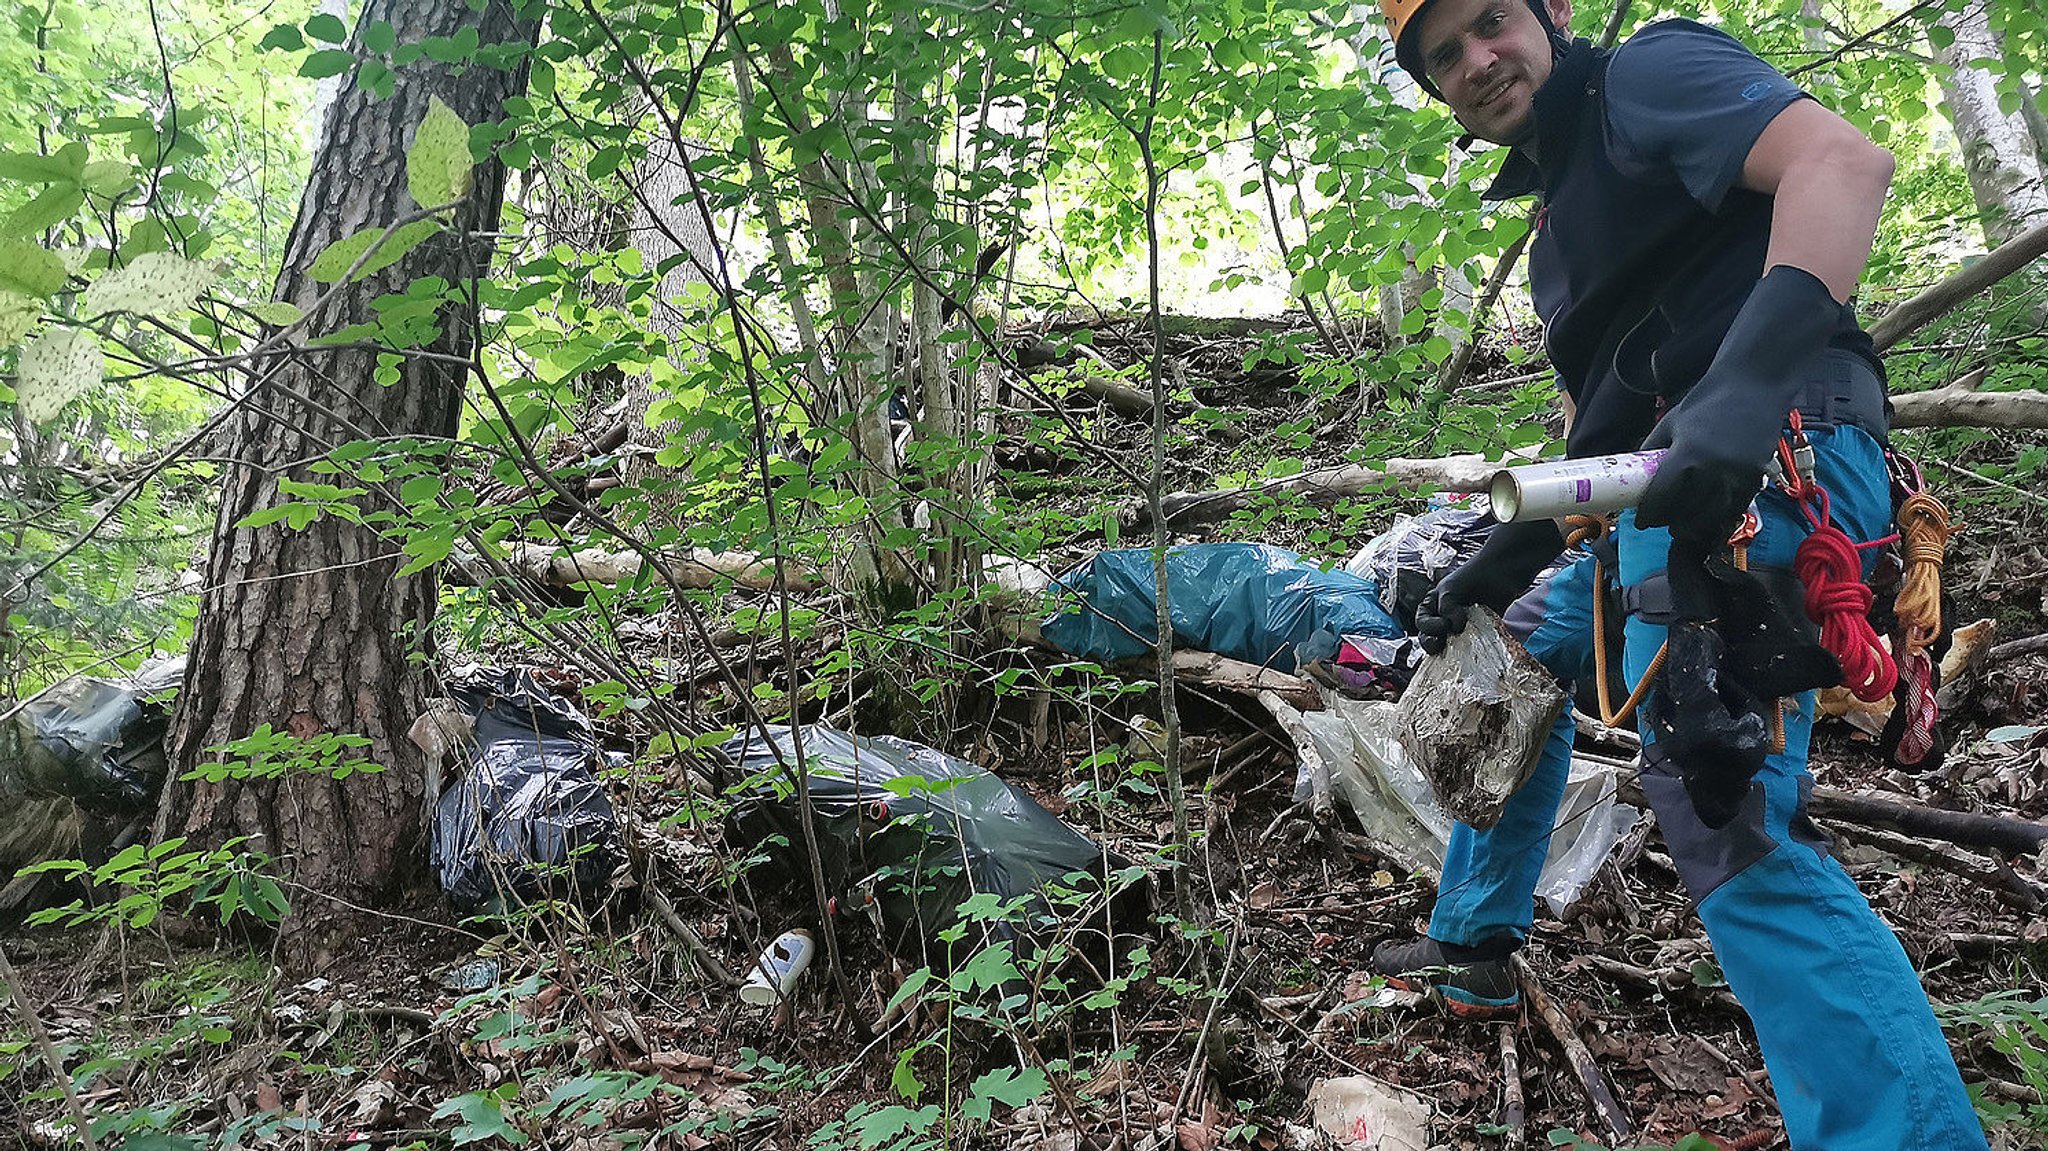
1924	531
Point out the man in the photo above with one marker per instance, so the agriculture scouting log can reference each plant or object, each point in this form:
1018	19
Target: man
1704	225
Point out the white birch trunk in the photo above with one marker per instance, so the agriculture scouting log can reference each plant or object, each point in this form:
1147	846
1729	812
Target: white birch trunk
1998	152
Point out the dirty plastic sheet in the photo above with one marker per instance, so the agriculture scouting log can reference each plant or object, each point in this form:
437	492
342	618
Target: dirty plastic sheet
527	818
1261	604
1398	811
97	742
904	830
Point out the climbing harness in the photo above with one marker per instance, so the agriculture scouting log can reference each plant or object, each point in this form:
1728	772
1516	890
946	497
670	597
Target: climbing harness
1830	567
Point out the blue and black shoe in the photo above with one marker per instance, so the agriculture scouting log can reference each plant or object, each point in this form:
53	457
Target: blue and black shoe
1473	982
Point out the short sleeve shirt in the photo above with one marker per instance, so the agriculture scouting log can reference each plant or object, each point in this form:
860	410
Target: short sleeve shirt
1688	100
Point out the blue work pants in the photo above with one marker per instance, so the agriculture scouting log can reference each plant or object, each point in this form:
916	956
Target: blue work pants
1856	1058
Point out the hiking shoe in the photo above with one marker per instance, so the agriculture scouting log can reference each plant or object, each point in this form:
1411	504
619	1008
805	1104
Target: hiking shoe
1472	982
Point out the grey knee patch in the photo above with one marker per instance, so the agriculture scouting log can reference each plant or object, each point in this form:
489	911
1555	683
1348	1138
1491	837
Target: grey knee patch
1706	857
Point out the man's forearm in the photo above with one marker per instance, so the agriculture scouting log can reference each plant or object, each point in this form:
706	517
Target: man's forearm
1830	183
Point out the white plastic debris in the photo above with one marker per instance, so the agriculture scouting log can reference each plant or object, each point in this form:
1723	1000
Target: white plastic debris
1361	1112
1398	811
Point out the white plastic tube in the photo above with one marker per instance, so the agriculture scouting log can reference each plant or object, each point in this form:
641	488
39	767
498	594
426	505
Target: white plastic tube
781	964
1589	486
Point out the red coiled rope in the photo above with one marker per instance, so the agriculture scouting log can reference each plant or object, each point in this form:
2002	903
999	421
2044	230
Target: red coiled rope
1836	597
1839	601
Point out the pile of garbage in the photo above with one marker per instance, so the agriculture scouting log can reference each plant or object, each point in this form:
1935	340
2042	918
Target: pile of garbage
97	742
905	833
1349	629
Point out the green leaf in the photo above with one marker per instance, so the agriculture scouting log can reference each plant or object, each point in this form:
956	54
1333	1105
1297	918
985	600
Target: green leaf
56	367
328	27
55	205
380	38
904	1079
282	38
438	166
276	313
334	263
158	284
18	314
66	166
482	1119
30	269
885	1125
1004	1085
108	177
327	62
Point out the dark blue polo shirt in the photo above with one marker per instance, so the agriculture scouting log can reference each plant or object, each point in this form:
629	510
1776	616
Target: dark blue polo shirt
1647	244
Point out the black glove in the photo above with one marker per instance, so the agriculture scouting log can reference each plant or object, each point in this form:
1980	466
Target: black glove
1496	574
1722	433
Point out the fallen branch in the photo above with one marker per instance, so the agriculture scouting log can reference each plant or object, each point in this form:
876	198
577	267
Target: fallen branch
691	941
1960	406
1320	807
2010	889
693	568
1590	1079
1208	669
2009	834
2014	648
1465	473
1937	301
1107	388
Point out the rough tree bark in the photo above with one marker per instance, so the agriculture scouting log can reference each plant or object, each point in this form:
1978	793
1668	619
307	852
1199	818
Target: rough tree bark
1998	152
310	631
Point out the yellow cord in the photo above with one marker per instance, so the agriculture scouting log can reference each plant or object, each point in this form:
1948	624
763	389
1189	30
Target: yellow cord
1924	531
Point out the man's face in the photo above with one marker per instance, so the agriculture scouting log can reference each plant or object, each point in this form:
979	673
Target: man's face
1488	57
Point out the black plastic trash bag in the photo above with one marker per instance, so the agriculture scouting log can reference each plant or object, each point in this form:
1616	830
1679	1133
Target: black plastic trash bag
903	830
528	819
1407	559
1254	602
97	742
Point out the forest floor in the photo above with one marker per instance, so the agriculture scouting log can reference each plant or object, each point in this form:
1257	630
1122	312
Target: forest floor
431	1030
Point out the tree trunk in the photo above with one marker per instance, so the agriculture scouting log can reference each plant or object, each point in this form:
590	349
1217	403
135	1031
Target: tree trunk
1998	152
311	631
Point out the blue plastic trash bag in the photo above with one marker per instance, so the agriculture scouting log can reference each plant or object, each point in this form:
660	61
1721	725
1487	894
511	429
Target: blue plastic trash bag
1261	604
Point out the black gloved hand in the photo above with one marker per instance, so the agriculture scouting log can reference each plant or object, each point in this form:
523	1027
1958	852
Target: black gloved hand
1723	431
1496	574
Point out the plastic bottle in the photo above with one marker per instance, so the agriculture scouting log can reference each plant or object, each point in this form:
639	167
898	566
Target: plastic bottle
781	964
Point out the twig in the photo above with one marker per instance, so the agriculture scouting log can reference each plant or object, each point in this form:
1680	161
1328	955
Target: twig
1511	1111
34	1023
2014	648
692	942
1595	1084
